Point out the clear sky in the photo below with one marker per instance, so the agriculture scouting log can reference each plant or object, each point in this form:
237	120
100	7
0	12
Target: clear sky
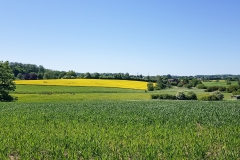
155	37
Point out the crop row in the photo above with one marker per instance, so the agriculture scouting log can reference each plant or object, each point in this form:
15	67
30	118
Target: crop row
120	130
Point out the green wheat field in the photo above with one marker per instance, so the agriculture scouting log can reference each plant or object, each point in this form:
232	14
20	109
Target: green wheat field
60	122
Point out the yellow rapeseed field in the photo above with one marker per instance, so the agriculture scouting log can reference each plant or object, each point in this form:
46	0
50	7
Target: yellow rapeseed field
87	82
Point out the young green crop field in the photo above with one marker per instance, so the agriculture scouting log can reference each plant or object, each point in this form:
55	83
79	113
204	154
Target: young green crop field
48	93
120	130
74	121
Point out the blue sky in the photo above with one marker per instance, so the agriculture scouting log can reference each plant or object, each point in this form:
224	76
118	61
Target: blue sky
187	37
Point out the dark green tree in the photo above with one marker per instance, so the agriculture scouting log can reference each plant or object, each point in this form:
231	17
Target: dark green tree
159	83
19	76
87	75
150	86
6	82
96	75
71	74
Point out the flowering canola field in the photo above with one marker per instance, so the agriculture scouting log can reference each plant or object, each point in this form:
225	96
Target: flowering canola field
88	82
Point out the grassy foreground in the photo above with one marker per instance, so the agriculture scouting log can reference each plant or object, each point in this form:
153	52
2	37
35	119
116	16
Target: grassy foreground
120	130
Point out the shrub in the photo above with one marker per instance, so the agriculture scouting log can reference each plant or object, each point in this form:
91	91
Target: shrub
233	88
163	96
216	96
168	96
191	96
211	88
189	86
229	82
236	92
154	96
201	86
222	89
150	86
219	95
209	98
180	85
180	96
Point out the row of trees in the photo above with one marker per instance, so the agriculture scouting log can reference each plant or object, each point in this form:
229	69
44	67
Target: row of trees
33	72
219	77
164	82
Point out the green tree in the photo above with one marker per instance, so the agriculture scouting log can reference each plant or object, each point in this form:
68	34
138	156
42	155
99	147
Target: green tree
19	76
159	83
88	75
71	74
229	82
6	82
150	86
96	75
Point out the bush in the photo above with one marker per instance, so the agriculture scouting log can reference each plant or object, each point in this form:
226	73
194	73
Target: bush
191	96
189	86
201	86
180	85
211	88
209	98
229	82
163	96
154	96
219	95
150	86
222	89
180	96
216	96
236	92
233	88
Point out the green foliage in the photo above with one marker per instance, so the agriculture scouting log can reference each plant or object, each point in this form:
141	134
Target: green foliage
189	86
163	96
70	75
228	82
236	92
209	98
219	95
6	82
150	86
87	75
233	88
201	86
191	96
216	96
215	88
195	82
180	85
181	96
159	83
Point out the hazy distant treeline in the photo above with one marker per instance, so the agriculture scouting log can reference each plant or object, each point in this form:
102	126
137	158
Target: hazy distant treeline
33	72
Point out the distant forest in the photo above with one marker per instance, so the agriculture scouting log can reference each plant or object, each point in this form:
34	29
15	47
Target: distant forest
34	72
